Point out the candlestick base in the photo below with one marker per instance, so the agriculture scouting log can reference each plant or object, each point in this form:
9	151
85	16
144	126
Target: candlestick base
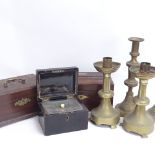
141	124
105	114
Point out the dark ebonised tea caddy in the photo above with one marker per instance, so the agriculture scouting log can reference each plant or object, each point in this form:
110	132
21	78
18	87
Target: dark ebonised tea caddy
60	110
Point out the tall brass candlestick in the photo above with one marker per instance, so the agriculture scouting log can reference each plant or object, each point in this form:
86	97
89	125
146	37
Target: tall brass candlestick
105	113
140	121
128	105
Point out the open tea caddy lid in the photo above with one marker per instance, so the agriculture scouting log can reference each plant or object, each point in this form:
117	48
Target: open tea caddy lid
56	83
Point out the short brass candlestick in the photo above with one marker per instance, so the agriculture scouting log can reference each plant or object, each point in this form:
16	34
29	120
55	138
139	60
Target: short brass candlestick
140	121
128	105
105	113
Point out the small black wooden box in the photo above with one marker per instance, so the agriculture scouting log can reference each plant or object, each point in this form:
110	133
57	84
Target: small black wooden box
60	110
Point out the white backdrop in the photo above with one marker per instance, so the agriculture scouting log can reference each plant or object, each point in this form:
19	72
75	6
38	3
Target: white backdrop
58	33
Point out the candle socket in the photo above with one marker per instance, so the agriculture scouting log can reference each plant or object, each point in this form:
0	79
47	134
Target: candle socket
107	62
145	67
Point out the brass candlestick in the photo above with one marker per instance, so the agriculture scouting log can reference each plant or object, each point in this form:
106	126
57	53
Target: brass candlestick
128	105
140	121
105	113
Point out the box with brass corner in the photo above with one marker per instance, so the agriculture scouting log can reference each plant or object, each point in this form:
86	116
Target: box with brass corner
57	98
140	121
105	113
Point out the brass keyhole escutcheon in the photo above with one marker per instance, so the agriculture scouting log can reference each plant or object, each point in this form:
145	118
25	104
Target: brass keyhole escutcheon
67	118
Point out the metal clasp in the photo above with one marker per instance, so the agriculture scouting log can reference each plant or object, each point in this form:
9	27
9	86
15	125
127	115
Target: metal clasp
22	102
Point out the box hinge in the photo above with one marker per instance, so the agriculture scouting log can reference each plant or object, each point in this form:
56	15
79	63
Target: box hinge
44	99
70	96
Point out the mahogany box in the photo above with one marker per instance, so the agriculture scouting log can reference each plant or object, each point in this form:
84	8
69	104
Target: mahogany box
18	95
57	99
17	99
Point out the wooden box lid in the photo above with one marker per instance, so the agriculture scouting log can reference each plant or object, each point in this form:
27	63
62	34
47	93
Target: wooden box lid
17	84
56	82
